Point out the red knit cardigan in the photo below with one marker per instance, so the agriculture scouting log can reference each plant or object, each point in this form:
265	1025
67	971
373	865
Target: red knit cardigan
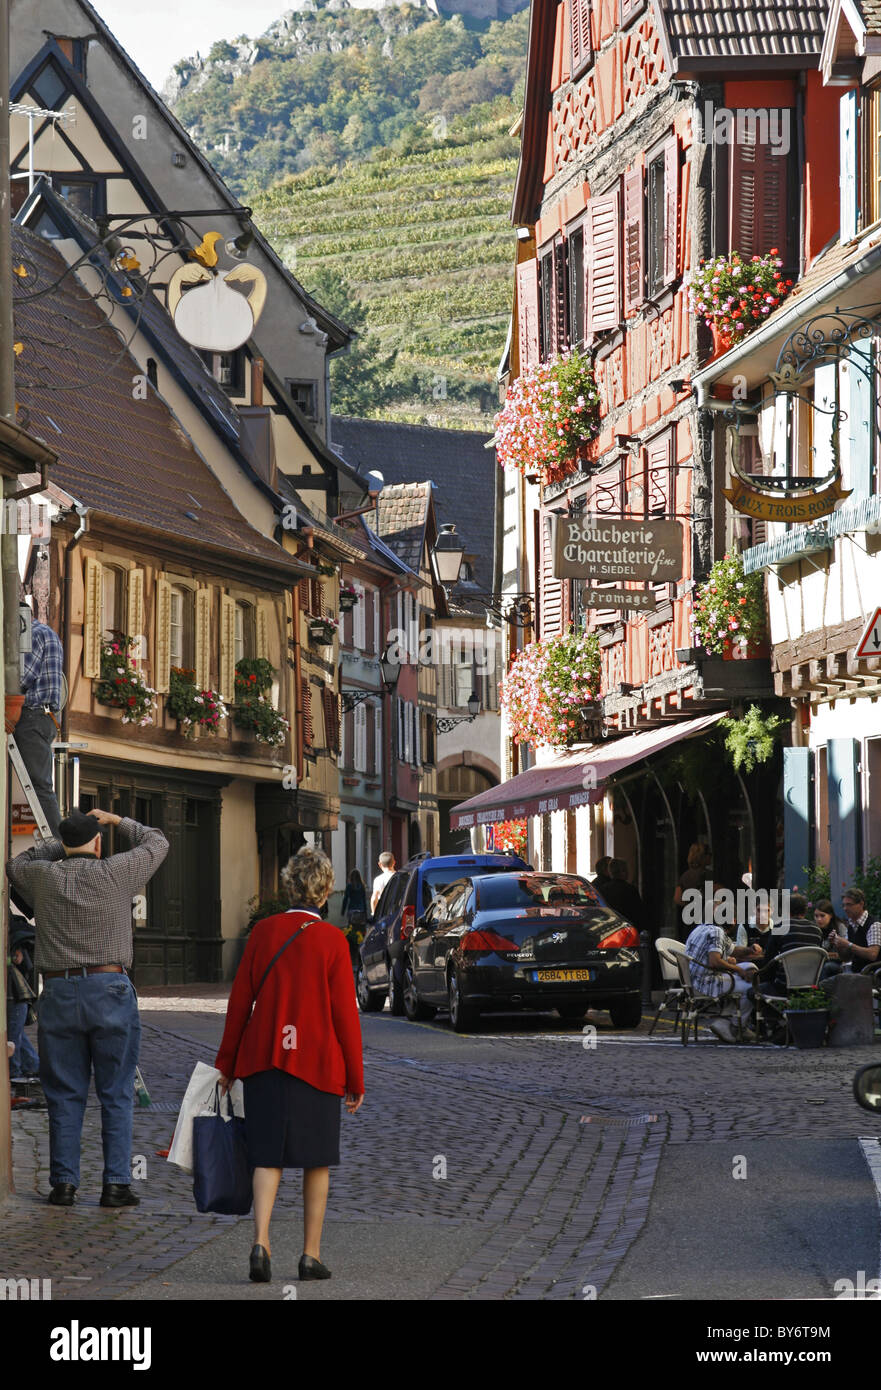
305	1020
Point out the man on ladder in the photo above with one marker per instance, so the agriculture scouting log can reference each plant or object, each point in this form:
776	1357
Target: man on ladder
41	682
88	1014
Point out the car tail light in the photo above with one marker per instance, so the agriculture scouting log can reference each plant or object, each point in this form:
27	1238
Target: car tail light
624	936
488	941
408	922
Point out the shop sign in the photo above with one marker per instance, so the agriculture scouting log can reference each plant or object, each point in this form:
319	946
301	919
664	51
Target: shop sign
604	548
805	507
640	600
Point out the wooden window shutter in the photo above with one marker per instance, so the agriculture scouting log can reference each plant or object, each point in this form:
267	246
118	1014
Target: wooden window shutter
331	710
551	588
369	601
527	313
135	616
604	278
261	619
377	723
348	751
316	598
203	638
417	729
634	240
671	210
579	35
371	739
308	721
629	8
227	647
561	298
305	593
92	620
758	196
847	165
163	635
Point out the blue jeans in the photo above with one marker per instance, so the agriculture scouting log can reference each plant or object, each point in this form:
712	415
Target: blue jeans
24	1061
84	1022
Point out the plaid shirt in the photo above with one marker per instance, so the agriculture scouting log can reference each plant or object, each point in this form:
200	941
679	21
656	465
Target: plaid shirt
43	668
83	906
700	943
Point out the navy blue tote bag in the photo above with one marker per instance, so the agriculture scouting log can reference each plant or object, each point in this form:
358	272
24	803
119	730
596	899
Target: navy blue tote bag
221	1174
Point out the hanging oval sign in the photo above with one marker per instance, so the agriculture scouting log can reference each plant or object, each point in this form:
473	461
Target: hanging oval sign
211	311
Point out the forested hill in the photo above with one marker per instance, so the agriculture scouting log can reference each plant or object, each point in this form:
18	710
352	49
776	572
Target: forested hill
374	146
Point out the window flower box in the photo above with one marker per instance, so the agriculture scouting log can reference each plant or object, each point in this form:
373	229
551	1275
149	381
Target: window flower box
253	713
728	610
551	690
193	709
733	295
121	686
348	599
323	630
550	416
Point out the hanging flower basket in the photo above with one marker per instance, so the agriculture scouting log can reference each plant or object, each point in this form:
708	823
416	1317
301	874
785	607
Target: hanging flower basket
348	599
548	686
728	614
550	416
323	630
121	686
733	294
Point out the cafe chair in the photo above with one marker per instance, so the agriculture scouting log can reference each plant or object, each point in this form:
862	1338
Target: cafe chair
697	1006
802	967
667	948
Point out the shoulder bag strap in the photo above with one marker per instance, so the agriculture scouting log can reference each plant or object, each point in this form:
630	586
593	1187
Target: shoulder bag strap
279	952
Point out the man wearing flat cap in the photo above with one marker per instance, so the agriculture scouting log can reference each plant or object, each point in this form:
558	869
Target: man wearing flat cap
88	1011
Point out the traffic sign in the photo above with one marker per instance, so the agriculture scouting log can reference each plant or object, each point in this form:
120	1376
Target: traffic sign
870	642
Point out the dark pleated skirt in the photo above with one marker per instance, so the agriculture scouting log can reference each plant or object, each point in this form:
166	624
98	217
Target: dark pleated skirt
289	1124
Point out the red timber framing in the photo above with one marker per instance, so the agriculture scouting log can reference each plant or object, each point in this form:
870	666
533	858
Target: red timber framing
609	182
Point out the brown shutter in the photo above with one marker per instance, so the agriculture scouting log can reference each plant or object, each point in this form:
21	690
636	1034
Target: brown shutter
348	629
671	210
758	185
604	283
316	598
305	594
634	240
349	751
551	588
331	706
579	34
369	624
308	723
527	313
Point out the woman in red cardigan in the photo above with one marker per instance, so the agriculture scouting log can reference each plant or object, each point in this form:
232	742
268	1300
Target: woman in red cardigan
298	1052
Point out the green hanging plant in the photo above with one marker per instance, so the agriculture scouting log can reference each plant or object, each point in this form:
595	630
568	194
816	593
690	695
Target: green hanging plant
751	740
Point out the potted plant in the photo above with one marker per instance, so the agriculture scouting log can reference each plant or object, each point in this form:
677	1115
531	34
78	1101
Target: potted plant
192	708
322	630
348	598
551	414
751	740
733	294
120	685
728	610
548	688
807	1013
253	712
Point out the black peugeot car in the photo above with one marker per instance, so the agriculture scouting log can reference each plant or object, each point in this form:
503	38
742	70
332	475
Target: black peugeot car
522	940
406	896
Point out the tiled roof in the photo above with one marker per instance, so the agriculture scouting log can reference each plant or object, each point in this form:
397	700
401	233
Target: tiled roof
463	470
120	455
401	516
870	10
713	29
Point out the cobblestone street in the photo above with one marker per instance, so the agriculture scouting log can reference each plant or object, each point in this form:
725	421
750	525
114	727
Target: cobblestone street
561	1163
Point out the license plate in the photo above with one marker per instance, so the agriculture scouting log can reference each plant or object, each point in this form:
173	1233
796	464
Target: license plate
553	977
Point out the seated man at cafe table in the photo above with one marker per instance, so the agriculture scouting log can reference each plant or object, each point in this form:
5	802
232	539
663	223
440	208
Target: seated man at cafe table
801	932
715	961
861	946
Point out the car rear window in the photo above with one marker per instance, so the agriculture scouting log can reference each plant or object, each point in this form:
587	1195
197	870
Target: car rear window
436	881
555	891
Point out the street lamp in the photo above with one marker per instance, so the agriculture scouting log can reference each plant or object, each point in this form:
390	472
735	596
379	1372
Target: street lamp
389	670
444	723
447	555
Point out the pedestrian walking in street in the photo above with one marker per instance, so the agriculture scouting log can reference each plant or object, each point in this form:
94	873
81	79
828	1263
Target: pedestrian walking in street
355	912
88	1012
298	1052
386	863
38	723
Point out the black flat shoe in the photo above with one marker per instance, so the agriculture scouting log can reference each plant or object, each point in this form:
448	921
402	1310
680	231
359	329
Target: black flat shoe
260	1270
312	1269
62	1194
114	1194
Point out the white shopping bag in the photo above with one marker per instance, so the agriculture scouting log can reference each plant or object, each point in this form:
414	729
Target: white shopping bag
199	1100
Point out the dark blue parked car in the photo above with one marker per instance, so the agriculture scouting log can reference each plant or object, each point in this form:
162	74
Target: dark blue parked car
406	896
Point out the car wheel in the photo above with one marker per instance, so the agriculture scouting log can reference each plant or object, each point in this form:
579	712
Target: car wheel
572	1013
415	1010
369	1000
395	993
463	1014
627	1013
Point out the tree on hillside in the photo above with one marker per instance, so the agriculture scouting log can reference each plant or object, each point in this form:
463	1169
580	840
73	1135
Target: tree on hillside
359	379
